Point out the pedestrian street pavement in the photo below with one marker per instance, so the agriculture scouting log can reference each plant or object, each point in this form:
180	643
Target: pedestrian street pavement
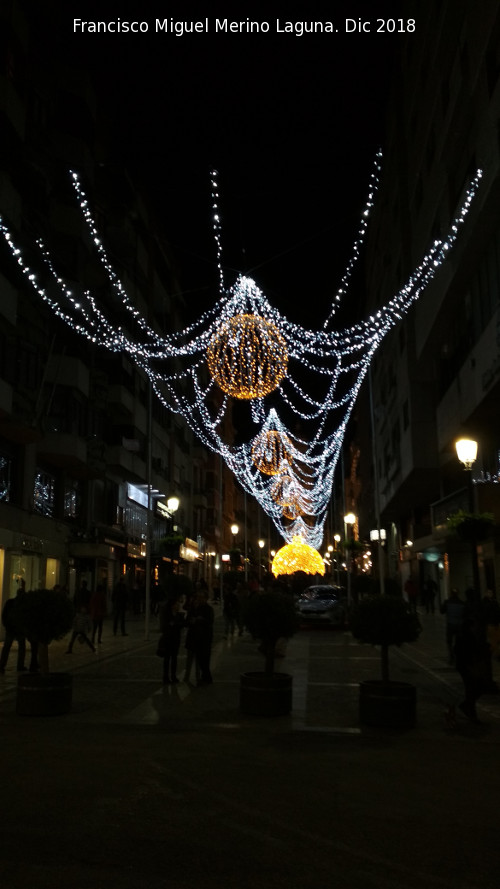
121	683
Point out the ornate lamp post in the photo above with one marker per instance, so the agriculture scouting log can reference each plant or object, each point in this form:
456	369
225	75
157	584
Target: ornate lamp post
467	452
262	544
337	538
349	519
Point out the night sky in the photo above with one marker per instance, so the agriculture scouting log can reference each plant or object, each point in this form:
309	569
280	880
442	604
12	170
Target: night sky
291	123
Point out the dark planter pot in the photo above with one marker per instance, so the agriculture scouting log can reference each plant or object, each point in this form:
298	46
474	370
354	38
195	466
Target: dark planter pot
262	695
44	695
387	704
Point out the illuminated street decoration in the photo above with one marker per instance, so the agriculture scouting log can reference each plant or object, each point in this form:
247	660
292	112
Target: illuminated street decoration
297	556
252	350
271	448
247	357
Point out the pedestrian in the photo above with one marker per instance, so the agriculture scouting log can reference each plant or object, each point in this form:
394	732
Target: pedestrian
472	662
82	625
231	612
172	620
189	643
13	632
203	629
491	617
98	611
82	597
119	599
429	591
411	591
452	608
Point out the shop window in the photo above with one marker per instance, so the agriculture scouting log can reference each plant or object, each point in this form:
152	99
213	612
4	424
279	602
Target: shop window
44	494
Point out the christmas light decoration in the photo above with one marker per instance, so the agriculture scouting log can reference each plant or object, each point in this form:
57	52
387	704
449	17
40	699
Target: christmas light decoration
271	448
247	357
297	556
251	351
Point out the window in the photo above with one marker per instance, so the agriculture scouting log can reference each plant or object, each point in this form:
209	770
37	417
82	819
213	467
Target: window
44	494
5	473
72	499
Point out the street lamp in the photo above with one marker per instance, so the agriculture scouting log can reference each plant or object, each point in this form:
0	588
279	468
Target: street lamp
349	519
173	504
467	452
337	538
262	544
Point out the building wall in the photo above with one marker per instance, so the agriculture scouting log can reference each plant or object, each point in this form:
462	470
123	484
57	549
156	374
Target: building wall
435	378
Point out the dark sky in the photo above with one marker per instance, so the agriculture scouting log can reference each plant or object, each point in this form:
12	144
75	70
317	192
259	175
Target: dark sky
291	123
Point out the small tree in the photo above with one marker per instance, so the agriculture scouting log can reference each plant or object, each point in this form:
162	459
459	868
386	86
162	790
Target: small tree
269	617
472	526
384	620
42	616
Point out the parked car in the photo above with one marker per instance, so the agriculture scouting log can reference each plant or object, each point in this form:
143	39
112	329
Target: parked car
322	604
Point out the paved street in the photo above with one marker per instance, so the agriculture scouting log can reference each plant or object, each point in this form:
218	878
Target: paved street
145	786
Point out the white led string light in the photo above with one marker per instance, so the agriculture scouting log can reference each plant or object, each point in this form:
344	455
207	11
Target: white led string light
177	367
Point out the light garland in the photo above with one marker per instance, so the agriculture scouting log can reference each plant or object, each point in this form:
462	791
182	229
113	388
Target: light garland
279	349
297	556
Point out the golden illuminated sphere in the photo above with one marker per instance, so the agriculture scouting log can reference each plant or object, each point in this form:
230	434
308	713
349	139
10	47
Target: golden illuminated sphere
247	357
269	449
280	486
297	556
292	510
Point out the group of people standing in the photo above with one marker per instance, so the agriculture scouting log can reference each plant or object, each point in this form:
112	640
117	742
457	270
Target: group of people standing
196	616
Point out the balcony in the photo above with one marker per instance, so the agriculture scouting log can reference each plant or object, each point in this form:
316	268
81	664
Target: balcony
127	463
64	450
5	398
121	401
65	370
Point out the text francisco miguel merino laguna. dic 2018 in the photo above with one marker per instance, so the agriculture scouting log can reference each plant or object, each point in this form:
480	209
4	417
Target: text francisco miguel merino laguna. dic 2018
247	26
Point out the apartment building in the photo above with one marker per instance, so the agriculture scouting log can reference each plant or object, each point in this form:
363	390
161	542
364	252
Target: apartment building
436	377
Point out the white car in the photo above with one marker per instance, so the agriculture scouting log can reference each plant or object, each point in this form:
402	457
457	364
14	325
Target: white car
322	603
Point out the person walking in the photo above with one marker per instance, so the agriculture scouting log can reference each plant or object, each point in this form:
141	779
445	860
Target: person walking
172	620
119	599
203	629
13	633
452	608
490	610
472	662
231	612
411	590
429	591
82	625
98	611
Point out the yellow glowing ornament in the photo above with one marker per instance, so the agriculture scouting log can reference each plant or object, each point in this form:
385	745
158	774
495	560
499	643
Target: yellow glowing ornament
269	449
247	357
297	556
292	510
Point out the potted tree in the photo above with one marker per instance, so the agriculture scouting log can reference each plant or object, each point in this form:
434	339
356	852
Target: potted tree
471	526
385	620
42	616
269	617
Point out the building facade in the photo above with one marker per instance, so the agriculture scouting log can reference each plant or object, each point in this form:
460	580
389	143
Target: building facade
89	459
436	378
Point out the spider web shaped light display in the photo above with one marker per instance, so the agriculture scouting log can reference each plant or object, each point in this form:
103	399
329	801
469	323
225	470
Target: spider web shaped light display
315	374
